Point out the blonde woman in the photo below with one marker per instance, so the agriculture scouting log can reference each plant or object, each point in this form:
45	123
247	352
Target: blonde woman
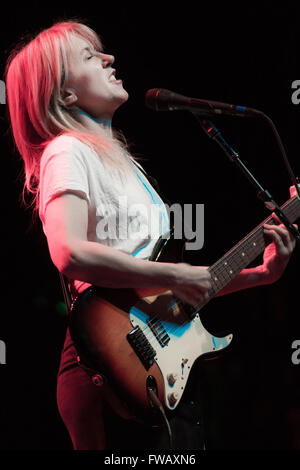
62	92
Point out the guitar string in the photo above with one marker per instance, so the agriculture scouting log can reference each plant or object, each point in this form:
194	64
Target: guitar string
219	269
227	278
231	259
257	232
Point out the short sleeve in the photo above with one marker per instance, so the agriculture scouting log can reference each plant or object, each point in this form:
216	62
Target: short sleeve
63	170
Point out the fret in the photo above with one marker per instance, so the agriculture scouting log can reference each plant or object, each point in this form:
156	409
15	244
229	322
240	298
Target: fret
242	254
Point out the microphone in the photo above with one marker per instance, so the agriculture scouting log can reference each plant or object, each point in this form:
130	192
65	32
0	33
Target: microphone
160	99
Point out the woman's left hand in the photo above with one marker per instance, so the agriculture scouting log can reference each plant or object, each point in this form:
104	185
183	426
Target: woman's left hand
278	252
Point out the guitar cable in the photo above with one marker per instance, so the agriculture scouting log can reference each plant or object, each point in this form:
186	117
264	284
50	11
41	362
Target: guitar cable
157	404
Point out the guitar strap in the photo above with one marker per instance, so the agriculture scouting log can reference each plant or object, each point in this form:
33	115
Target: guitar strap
155	185
66	292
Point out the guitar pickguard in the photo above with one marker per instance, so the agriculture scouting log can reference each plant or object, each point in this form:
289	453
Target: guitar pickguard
176	341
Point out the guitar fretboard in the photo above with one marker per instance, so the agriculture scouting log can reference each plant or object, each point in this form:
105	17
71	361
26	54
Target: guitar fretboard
244	252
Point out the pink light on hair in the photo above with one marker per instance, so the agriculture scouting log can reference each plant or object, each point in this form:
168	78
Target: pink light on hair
35	75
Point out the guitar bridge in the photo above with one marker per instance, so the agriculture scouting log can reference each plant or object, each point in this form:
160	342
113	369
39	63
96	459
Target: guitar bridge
141	346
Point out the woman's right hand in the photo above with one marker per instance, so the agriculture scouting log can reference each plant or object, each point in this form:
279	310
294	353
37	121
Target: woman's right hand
192	283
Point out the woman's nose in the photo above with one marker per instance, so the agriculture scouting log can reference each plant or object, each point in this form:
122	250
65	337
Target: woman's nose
107	59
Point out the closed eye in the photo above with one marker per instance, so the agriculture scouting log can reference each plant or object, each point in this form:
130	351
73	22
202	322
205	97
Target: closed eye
91	51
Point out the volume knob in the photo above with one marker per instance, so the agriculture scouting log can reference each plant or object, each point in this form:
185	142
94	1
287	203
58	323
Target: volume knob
173	398
171	378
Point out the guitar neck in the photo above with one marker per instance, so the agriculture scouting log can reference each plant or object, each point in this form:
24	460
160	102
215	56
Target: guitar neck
243	253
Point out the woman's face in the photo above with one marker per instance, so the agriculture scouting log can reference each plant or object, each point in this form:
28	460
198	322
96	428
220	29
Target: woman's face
92	85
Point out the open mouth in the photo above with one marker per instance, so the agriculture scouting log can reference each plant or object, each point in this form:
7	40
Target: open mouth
113	79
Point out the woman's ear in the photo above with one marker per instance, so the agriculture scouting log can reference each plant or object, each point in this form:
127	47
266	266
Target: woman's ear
69	97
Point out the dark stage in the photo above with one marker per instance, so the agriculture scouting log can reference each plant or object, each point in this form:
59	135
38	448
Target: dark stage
246	55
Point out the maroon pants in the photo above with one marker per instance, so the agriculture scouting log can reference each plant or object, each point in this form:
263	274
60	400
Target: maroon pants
93	425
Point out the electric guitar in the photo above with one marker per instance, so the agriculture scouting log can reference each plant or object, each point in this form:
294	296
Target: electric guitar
147	339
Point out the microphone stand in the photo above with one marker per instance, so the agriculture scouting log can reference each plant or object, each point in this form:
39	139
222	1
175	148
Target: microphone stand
213	133
294	180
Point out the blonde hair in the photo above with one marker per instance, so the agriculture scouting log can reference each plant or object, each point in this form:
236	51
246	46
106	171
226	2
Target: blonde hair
35	74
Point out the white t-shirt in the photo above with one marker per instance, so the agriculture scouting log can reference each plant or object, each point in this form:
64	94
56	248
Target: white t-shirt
124	213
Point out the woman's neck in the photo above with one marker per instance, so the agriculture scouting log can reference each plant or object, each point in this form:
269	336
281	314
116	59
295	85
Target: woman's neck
93	123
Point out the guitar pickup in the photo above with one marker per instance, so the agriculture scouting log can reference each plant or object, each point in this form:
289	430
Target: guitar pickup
141	346
158	330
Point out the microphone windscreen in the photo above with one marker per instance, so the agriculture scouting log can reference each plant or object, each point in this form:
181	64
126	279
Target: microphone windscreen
160	99
152	99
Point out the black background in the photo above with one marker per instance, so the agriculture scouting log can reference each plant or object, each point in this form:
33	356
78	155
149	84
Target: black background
243	54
